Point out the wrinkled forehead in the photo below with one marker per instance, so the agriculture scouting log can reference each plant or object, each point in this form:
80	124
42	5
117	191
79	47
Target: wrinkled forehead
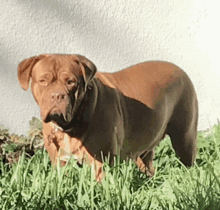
55	65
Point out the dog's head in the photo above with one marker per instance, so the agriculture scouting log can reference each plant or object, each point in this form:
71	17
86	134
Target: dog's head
58	83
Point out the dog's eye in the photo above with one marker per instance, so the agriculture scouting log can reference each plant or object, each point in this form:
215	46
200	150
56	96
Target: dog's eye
71	82
43	82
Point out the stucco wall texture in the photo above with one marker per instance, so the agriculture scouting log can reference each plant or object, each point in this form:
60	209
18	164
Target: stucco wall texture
113	34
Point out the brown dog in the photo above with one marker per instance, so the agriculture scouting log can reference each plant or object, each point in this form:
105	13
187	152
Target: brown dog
125	113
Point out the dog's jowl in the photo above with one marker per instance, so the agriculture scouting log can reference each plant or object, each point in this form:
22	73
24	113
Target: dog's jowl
89	114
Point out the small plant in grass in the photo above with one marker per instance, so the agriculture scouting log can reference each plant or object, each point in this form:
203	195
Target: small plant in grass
11	146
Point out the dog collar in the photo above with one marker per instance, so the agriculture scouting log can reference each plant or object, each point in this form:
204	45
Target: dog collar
56	127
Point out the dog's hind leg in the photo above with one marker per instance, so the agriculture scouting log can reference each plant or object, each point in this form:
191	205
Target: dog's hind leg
182	130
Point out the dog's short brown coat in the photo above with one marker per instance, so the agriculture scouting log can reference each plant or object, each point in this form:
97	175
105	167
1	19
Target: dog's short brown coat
125	113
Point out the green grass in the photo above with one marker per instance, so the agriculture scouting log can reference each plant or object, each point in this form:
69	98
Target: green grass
32	183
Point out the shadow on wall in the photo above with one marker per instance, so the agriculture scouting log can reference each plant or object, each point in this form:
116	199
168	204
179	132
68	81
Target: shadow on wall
99	32
95	28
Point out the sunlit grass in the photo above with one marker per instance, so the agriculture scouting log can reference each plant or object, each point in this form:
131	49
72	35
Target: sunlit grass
33	183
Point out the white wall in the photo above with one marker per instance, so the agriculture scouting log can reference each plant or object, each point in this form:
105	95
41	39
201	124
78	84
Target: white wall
113	34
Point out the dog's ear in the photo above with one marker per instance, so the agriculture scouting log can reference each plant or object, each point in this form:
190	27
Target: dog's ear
24	70
89	69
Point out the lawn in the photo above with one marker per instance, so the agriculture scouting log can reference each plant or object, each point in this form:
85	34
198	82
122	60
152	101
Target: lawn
28	181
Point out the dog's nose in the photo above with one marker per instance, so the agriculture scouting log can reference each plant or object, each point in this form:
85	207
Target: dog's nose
58	96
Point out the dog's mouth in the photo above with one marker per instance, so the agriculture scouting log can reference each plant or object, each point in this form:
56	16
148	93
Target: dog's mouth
57	118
